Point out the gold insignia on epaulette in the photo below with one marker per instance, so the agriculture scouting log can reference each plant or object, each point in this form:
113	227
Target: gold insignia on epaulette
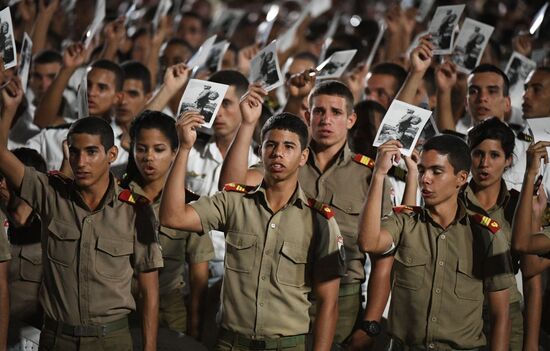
407	208
322	208
239	188
486	222
525	137
364	160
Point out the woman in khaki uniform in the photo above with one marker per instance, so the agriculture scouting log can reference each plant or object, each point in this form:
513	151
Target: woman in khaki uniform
492	145
154	143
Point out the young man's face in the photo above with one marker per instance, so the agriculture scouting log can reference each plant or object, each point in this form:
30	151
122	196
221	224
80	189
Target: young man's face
102	94
282	155
174	54
132	102
190	30
437	179
42	77
329	120
486	96
229	115
89	160
381	88
536	99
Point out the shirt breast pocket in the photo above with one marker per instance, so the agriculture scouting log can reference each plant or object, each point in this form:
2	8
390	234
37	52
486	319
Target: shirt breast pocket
291	269
62	242
31	263
467	286
410	267
113	257
173	243
348	205
240	251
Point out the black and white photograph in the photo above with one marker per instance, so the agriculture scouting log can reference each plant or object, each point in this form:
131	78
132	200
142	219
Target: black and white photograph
204	97
162	10
540	127
318	7
200	57
25	61
96	25
264	29
442	27
470	44
264	68
7	40
82	98
215	57
518	69
227	22
336	64
429	131
403	122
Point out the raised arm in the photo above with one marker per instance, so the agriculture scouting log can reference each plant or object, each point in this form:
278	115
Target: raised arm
174	212
421	59
372	238
47	110
298	87
499	306
411	182
235	164
175	78
10	166
149	291
156	43
41	27
522	240
113	33
445	79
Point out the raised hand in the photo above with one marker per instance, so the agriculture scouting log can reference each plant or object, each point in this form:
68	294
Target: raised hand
421	56
445	76
12	94
47	9
523	44
186	126
251	104
114	31
300	84
245	56
74	55
535	153
386	155
176	77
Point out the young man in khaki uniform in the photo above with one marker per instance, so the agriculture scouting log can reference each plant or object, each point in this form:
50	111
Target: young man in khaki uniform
333	175
278	248
94	236
446	258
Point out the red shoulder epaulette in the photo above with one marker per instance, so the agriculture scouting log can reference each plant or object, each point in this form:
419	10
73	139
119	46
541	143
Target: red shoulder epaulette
486	222
239	188
399	209
132	198
59	175
322	208
364	160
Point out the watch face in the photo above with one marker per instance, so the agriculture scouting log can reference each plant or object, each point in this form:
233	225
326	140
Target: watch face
372	328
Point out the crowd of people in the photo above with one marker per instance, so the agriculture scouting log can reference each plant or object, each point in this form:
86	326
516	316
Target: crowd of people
281	227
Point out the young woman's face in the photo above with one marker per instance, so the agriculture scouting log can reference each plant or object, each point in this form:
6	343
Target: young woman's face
489	162
153	154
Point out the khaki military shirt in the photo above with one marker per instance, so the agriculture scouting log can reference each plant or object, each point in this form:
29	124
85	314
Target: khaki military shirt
344	186
89	257
496	213
271	259
439	277
178	247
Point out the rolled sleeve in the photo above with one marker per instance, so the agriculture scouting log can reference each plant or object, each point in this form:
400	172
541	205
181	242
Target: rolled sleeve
499	271
35	189
199	248
394	224
212	211
330	256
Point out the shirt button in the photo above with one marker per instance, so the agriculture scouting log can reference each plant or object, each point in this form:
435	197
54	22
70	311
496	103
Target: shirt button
434	319
88	220
441	263
263	277
443	237
273	225
431	346
262	304
437	291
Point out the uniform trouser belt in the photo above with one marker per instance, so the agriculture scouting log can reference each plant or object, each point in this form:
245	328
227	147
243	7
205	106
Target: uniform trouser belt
349	289
397	345
264	344
85	330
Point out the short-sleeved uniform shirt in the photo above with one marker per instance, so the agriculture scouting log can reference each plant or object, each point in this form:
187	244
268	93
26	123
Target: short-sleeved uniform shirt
440	276
89	257
271	259
344	186
178	247
497	213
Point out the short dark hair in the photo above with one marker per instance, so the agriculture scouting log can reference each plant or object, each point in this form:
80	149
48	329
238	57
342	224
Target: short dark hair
494	129
290	122
305	55
454	148
111	67
195	15
94	126
31	158
391	69
489	68
179	41
333	88
138	71
47	56
233	78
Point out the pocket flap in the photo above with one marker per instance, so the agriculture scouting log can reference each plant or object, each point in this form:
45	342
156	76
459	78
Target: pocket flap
32	254
115	247
347	205
172	233
240	241
295	253
63	230
410	258
465	267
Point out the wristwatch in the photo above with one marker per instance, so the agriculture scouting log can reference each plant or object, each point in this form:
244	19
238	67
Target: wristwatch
372	328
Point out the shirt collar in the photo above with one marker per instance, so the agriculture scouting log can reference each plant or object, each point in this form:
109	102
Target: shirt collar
502	199
343	155
297	199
